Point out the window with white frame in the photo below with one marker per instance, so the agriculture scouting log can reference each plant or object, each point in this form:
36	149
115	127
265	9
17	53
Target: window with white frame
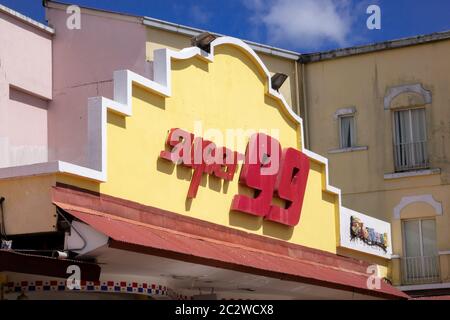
421	260
347	131
410	139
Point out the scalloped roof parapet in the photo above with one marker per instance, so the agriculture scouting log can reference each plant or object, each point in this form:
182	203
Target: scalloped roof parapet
121	104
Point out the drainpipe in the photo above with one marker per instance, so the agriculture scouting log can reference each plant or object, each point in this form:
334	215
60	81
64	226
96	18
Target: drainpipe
305	104
297	88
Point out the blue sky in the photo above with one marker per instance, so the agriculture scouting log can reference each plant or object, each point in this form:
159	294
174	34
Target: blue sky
299	25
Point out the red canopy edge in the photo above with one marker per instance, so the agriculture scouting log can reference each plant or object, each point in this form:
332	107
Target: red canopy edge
153	231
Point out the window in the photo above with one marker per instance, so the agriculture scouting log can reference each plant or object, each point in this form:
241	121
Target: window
410	139
347	131
421	260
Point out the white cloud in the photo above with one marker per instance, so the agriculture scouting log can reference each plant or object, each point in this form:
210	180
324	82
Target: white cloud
303	23
254	4
199	15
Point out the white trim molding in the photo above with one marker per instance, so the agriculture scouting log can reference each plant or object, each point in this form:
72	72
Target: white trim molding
351	149
415	173
344	112
397	90
44	168
26	19
427	198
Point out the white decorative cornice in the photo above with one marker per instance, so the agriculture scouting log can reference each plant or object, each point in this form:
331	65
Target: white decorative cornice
415	88
427	198
344	112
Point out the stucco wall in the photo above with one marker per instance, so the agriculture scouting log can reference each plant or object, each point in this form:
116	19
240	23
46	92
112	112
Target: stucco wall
28	207
85	60
25	88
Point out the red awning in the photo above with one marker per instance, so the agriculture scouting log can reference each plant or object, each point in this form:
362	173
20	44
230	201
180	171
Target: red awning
148	230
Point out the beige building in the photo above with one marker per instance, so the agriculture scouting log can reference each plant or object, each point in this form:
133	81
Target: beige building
381	115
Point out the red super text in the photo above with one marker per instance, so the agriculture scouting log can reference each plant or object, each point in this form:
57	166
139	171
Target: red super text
267	169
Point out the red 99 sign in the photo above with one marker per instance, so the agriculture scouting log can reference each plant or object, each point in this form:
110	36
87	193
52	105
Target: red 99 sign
267	169
270	172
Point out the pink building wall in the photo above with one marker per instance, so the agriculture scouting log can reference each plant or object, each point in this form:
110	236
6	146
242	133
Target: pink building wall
25	89
84	61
